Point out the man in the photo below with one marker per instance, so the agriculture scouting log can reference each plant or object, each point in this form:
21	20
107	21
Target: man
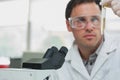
92	56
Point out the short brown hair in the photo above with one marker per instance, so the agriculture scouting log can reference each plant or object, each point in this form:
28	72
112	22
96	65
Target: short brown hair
72	3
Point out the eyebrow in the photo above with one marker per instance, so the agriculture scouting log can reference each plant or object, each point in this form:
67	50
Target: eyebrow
97	15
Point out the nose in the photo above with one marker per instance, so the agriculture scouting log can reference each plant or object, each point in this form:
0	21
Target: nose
89	26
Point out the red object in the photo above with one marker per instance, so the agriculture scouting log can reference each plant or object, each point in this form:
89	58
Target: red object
4	66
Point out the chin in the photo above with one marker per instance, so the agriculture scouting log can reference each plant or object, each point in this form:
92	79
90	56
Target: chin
91	44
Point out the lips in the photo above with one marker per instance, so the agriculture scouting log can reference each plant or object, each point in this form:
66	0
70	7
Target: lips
89	36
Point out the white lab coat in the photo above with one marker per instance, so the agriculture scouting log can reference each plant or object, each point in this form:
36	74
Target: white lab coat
106	67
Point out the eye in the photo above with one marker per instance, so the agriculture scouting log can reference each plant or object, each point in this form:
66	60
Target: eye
81	19
95	19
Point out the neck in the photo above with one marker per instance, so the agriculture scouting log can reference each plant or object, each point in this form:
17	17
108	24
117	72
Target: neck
85	52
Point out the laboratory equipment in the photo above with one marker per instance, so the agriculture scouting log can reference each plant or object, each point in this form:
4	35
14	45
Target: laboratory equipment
25	74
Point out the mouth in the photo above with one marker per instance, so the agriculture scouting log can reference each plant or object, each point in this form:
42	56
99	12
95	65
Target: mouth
89	36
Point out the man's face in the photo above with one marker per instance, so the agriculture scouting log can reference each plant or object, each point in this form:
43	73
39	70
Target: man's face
87	33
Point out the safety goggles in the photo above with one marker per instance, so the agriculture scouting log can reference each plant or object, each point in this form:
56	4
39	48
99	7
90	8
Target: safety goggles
81	22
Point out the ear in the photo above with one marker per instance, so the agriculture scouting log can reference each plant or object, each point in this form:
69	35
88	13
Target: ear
68	26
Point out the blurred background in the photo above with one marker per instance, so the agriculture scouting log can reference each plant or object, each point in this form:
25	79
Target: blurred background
33	26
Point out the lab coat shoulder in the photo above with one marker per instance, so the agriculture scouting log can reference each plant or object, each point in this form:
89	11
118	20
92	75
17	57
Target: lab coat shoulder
63	73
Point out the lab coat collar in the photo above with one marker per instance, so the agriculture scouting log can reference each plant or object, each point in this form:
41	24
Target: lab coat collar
76	61
110	43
